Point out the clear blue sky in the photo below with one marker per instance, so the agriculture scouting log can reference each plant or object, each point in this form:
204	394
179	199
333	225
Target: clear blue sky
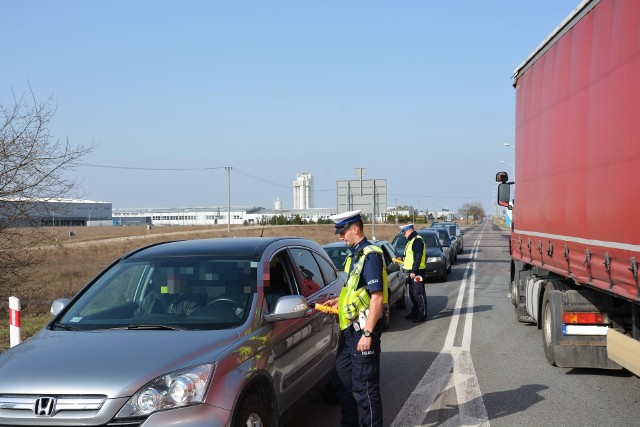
418	92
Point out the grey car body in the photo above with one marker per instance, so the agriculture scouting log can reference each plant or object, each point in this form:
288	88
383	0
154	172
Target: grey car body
437	261
338	252
454	230
212	332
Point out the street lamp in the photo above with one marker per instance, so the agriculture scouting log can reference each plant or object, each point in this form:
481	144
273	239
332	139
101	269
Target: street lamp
508	164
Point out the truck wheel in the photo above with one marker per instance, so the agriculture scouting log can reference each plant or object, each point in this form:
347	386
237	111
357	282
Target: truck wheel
252	413
514	293
549	325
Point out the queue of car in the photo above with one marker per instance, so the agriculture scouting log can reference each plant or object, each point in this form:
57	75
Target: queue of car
438	264
398	293
197	332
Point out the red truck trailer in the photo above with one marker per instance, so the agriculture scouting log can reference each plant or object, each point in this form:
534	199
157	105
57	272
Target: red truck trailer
575	236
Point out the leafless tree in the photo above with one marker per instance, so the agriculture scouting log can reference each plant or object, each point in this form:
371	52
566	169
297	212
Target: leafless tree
472	210
34	169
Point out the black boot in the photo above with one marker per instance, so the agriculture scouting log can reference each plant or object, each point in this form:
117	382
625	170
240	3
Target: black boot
420	319
411	316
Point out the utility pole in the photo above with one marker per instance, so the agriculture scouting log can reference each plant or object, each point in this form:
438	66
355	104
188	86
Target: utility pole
228	168
361	172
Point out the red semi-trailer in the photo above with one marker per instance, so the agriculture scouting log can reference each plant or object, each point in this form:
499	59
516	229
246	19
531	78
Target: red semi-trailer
575	238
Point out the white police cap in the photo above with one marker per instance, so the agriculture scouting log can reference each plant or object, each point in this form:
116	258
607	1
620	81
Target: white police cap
345	219
404	228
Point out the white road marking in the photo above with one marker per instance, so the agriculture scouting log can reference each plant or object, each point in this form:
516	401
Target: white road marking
453	367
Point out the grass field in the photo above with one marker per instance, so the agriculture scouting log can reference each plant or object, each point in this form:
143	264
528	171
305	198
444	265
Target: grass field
71	262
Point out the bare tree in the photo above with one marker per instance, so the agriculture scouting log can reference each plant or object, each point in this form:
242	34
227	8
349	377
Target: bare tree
473	210
34	170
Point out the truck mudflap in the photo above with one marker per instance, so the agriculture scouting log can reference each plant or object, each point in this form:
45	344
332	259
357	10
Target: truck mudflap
624	350
564	349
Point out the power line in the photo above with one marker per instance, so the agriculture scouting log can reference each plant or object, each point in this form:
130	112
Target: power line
146	169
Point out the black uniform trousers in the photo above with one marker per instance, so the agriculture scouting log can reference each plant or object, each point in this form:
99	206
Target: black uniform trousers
359	374
418	296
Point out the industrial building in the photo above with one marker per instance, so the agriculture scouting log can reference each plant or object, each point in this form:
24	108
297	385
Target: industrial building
23	212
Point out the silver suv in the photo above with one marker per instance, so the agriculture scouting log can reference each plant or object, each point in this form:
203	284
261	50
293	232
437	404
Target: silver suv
212	332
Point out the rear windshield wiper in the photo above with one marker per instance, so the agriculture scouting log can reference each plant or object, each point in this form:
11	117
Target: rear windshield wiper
156	327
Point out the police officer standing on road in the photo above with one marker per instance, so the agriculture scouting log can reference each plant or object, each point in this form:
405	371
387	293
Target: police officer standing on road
415	265
359	309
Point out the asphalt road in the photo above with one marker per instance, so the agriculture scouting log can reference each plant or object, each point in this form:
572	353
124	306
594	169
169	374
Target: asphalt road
471	363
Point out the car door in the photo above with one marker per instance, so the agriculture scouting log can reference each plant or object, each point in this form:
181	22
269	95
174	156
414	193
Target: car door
292	341
302	348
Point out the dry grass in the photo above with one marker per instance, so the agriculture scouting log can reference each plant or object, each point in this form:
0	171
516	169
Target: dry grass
71	262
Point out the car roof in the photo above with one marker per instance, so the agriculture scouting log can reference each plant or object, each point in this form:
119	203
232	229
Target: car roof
245	247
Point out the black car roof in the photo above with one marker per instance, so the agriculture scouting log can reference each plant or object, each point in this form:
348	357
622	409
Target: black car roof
245	247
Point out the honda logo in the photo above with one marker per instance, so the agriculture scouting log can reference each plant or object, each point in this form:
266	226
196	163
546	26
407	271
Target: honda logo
45	407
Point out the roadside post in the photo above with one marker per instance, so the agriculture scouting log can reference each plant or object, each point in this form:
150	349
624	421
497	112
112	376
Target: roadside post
14	321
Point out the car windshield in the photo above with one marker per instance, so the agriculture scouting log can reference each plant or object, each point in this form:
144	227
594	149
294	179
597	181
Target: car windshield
176	293
444	236
430	240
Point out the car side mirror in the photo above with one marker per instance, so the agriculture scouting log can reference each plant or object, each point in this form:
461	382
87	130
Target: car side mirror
288	307
58	305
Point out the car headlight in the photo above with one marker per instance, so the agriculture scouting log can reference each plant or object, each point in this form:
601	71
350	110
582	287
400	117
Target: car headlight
173	390
434	259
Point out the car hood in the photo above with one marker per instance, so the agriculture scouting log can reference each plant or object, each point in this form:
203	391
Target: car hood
115	363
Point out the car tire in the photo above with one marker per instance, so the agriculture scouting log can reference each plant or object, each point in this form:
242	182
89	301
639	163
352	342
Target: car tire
386	317
443	278
252	412
402	302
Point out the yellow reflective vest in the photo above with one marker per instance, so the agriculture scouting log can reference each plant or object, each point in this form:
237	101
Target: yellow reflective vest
353	300
408	255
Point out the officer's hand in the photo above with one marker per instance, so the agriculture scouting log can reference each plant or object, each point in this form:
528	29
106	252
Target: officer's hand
364	344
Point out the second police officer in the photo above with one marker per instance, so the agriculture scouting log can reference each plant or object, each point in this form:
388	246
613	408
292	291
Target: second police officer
415	265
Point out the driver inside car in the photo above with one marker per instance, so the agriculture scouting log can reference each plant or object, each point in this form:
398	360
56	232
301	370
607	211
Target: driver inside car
169	299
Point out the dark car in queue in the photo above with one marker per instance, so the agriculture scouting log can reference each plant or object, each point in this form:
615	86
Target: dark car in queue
398	294
449	246
437	261
454	230
210	332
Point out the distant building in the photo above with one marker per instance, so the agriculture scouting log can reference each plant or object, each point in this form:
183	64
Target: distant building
216	215
303	191
34	212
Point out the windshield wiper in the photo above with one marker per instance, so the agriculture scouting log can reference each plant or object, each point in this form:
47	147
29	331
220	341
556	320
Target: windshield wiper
63	326
156	327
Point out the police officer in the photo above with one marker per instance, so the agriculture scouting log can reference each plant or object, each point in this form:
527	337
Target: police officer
359	309
415	265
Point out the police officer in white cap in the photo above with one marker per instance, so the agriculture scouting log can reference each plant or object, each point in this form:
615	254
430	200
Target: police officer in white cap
415	265
359	311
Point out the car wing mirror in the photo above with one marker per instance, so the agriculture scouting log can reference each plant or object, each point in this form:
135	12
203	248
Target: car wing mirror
58	305
288	307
